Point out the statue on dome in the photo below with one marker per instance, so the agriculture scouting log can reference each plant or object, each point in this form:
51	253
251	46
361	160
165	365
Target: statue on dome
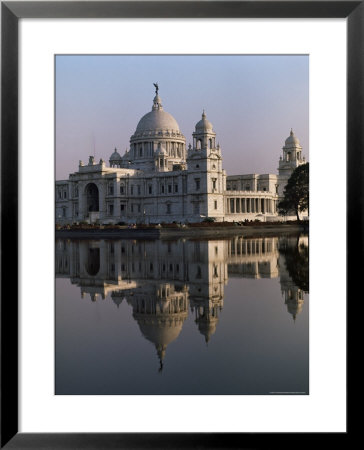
156	88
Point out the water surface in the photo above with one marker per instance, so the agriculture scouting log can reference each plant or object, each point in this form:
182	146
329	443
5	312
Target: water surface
182	317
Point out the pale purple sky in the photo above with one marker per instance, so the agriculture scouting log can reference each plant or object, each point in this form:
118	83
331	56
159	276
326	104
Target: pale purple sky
252	102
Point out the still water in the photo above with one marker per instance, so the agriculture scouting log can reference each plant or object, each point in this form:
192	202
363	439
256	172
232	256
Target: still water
226	316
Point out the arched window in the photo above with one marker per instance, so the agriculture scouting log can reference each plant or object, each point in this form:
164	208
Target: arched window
210	142
199	144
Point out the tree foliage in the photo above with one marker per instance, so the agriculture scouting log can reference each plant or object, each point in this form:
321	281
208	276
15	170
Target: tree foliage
296	194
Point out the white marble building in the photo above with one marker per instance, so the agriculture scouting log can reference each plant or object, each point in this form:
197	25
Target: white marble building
160	180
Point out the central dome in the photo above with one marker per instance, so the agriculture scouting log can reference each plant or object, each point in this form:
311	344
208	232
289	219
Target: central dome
157	120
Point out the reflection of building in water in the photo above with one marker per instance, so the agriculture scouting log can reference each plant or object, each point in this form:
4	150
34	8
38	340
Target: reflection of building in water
161	280
160	310
293	295
253	257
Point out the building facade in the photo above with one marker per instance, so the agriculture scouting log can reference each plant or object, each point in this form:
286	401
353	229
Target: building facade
159	179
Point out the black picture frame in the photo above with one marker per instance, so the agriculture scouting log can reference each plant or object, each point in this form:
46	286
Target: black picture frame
11	12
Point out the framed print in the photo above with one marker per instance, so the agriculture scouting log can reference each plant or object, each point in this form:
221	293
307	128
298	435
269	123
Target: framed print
70	375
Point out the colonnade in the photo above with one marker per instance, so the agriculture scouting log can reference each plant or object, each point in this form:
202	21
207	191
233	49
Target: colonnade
249	205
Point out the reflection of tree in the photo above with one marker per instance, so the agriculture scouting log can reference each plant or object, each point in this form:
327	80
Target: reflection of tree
296	259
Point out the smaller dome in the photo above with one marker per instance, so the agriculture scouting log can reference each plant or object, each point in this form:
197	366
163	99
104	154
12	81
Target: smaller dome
115	156
292	140
204	124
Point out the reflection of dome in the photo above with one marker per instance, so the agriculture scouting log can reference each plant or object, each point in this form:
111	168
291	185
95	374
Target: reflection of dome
157	120
161	331
207	326
204	124
292	140
294	307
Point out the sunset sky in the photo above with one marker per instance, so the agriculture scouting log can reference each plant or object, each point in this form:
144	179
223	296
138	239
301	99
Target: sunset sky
252	102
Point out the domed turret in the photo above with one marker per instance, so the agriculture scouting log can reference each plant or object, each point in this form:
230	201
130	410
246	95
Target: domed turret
204	125
115	159
292	140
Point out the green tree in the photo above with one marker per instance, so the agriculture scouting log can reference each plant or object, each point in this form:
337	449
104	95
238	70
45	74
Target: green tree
296	195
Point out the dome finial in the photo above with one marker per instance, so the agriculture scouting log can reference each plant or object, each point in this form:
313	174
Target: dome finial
157	102
203	114
291	132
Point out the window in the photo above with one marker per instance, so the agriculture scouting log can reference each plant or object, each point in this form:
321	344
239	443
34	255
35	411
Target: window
197	183
210	142
131	208
215	204
122	207
121	189
65	194
111	210
161	162
247	187
196	208
138	190
150	190
176	188
111	189
162	188
213	183
168	208
59	194
151	267
131	190
138	208
140	152
197	166
169	188
64	210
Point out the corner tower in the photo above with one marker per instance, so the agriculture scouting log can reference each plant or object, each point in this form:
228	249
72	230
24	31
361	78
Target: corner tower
206	178
291	158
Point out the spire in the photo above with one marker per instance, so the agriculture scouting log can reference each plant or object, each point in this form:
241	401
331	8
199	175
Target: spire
161	352
203	114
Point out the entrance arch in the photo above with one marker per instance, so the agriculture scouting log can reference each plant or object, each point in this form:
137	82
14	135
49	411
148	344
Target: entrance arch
92	198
